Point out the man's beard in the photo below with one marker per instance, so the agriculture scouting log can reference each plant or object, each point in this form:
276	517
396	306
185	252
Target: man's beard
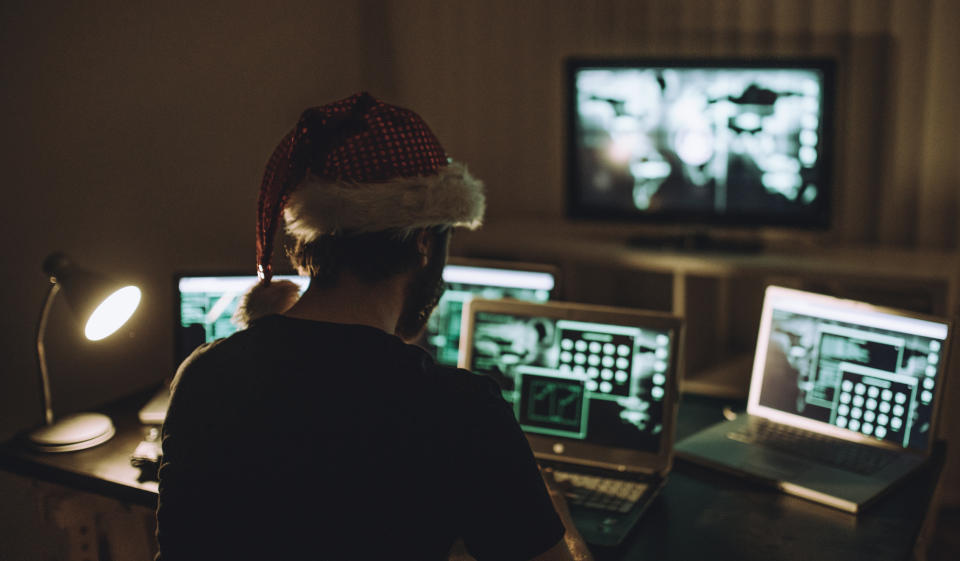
423	294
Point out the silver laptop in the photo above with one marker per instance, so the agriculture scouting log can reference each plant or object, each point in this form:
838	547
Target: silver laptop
594	389
843	400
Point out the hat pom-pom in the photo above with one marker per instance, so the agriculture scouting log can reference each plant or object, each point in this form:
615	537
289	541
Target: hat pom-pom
264	299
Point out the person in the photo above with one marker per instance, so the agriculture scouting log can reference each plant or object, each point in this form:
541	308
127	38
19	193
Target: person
319	431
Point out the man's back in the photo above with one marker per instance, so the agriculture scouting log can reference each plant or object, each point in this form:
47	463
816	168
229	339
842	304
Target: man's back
298	438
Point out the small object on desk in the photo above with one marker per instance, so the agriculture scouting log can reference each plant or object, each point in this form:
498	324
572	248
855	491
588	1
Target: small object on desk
155	410
148	454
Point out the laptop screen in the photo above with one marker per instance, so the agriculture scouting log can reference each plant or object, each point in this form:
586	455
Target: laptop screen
853	366
598	382
206	304
463	282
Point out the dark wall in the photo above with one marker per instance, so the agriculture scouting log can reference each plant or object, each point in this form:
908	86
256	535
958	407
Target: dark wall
134	139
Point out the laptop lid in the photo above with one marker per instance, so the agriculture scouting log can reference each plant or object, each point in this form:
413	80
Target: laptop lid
593	385
491	280
848	369
204	305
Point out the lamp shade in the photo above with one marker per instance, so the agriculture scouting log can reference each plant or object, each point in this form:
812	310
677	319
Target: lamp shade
100	304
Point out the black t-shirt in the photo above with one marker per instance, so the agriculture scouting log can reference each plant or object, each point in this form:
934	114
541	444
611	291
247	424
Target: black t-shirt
298	439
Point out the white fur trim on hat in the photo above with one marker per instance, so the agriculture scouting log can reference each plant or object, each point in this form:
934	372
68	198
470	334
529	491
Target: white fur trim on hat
263	299
453	197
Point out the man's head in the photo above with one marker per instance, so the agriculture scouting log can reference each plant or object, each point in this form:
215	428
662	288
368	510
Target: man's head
362	186
375	257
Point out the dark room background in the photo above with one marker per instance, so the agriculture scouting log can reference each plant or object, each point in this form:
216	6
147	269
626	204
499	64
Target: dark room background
134	134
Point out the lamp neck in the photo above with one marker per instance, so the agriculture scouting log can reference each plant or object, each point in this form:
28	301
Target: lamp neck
42	353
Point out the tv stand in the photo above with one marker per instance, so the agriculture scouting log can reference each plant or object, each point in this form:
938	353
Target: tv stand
696	242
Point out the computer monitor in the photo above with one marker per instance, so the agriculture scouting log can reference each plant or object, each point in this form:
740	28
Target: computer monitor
706	142
470	278
205	304
590	375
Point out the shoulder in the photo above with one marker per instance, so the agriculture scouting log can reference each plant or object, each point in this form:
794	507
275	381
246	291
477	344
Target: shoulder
225	357
193	363
212	371
201	363
464	386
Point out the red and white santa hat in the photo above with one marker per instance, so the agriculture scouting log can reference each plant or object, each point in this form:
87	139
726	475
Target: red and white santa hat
354	166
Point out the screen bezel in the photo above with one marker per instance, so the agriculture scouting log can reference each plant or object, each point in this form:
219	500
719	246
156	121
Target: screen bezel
576	451
819	220
775	294
553	270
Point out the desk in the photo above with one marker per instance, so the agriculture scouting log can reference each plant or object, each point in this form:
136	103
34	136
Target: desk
104	470
705	514
700	514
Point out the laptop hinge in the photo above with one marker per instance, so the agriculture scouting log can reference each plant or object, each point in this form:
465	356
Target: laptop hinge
642	470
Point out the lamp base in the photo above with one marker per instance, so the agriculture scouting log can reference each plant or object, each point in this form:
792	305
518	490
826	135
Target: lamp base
73	432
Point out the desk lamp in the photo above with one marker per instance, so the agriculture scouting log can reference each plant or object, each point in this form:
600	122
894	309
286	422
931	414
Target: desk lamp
102	306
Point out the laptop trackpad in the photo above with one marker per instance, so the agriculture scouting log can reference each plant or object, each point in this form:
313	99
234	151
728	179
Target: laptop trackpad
773	465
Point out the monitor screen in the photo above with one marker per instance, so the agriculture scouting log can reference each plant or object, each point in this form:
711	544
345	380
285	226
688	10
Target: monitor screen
463	282
733	142
865	371
206	304
600	383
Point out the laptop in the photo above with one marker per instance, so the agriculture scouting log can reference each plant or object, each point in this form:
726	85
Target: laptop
492	280
843	400
204	305
594	389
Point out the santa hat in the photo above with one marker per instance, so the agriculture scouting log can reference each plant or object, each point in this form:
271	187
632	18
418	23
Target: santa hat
354	166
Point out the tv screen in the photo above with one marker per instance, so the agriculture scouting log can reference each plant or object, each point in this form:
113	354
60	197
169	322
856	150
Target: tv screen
712	142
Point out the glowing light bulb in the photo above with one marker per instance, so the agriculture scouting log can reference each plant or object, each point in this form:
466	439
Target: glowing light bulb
112	313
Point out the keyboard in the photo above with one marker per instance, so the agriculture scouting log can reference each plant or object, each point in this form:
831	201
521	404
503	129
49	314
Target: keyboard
849	456
604	493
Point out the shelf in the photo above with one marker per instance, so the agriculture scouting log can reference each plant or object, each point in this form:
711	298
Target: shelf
567	242
729	379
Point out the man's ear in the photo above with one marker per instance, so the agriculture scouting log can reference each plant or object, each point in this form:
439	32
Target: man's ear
424	243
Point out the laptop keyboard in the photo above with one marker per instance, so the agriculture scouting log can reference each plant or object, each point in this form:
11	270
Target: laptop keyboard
604	493
824	449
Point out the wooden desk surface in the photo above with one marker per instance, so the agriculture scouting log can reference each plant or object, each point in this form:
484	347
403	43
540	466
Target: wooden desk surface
706	514
700	513
104	470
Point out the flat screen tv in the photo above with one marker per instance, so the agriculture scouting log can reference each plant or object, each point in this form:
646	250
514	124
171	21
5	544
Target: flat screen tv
701	142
